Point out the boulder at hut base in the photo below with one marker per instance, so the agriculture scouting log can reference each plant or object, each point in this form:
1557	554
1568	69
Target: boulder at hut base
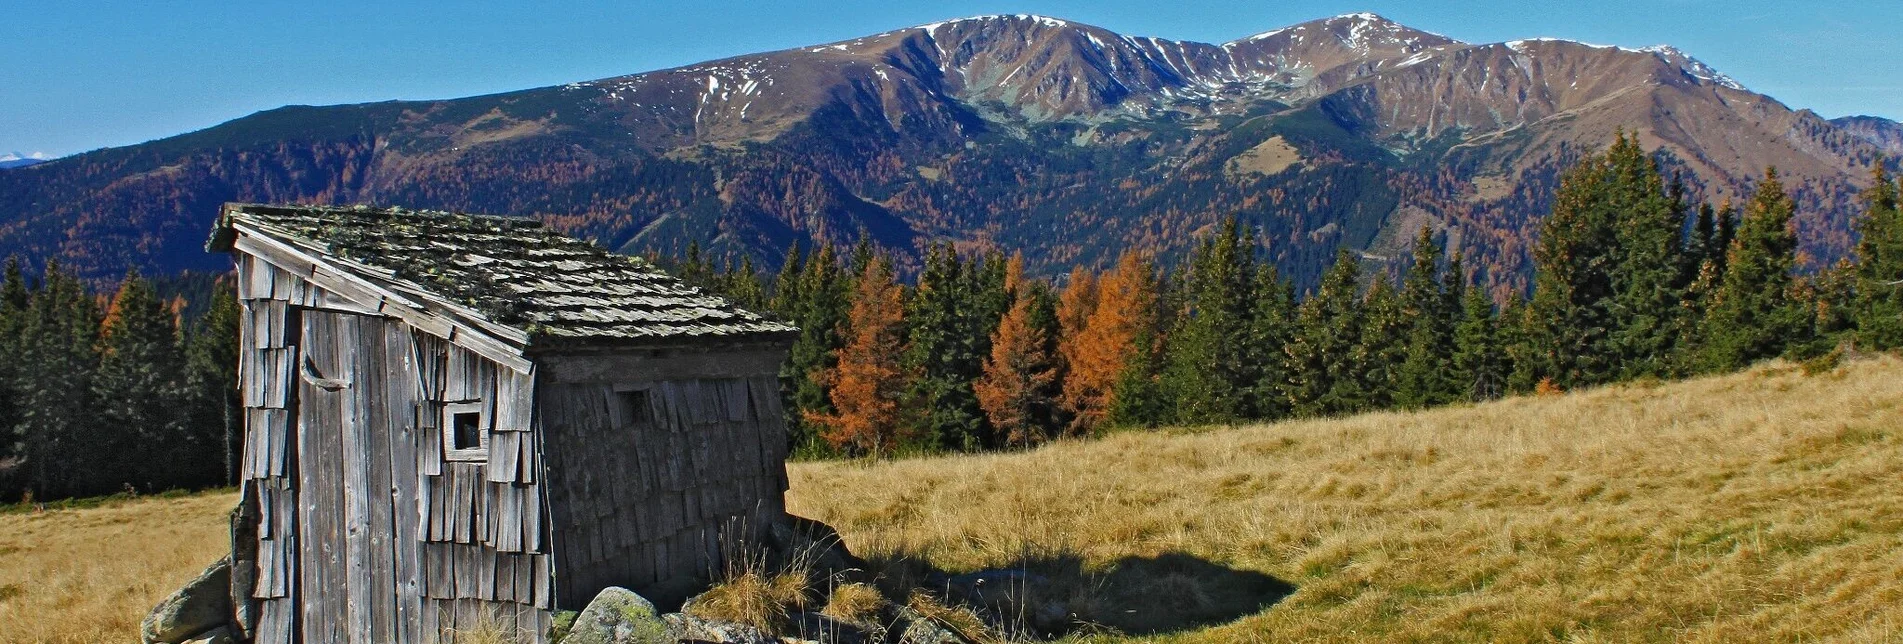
202	605
618	616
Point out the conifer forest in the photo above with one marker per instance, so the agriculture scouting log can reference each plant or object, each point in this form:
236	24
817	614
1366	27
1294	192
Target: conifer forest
130	389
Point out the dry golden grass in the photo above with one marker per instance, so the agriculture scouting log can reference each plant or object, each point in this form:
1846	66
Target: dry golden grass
1759	506
854	602
90	575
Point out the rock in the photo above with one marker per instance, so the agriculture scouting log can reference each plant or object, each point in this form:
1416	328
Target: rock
821	629
914	627
220	635
688	628
202	605
618	616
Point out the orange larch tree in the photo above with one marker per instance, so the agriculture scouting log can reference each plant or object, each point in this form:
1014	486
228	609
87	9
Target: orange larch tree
1097	353
867	383
1018	374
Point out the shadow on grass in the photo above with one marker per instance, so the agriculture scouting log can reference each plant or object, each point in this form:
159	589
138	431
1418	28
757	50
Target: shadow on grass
1051	596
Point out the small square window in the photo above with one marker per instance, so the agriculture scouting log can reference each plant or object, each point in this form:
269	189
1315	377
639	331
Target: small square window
465	432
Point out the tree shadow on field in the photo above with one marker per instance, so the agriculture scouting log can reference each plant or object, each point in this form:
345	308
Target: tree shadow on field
1050	596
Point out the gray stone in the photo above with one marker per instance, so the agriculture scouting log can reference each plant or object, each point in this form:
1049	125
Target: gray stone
202	605
220	635
914	627
688	628
822	629
618	616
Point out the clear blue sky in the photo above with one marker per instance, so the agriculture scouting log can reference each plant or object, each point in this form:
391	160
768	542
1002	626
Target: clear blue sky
77	75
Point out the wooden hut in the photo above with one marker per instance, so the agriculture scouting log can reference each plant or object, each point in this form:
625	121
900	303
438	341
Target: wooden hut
455	420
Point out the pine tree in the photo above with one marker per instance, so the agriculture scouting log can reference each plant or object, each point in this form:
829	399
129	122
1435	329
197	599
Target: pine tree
1423	379
1206	377
1878	273
1272	327
1383	344
867	382
1015	389
1521	350
65	447
817	304
941	349
1754	314
214	412
1323	361
1648	267
1097	353
14	301
1478	360
138	394
1570	322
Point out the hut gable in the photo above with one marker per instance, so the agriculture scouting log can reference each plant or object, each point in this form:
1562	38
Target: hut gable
462	419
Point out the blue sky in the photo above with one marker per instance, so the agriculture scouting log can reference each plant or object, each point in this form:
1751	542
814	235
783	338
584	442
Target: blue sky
78	75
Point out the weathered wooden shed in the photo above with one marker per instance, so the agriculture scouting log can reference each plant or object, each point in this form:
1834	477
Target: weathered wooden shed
458	419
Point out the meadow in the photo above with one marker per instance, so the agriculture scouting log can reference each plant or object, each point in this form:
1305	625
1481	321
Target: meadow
1764	505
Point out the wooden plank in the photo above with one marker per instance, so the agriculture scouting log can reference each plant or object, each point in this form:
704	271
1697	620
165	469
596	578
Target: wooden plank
323	617
406	543
543	583
356	456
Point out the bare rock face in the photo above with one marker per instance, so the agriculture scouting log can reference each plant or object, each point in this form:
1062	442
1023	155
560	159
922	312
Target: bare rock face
619	616
204	604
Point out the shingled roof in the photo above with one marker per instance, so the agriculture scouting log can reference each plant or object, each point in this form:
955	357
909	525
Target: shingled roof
554	289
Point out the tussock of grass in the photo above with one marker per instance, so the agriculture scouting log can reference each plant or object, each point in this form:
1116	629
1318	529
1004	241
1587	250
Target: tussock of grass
854	602
756	593
1764	505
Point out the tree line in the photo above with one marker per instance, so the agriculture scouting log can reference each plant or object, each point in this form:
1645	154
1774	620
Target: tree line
110	394
104	394
1631	280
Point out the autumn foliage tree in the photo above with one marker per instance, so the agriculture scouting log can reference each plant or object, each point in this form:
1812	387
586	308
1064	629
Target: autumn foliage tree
1103	343
867	383
1018	375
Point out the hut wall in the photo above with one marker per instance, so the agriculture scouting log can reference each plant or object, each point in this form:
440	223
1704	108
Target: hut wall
363	531
653	460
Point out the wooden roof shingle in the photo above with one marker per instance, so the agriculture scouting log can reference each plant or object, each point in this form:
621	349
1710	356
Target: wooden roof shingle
554	289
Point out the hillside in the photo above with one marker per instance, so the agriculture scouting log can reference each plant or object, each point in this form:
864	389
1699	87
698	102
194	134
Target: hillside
1756	506
1064	140
1760	506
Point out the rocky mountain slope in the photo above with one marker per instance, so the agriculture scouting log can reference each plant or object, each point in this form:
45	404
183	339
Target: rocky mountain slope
1063	140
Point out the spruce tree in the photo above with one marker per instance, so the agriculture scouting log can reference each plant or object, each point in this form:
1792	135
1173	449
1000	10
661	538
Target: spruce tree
1423	378
67	450
138	392
816	303
1322	359
1754	314
942	352
1571	321
1647	263
1272	326
1878	273
1383	344
214	411
14	300
1478	359
1206	376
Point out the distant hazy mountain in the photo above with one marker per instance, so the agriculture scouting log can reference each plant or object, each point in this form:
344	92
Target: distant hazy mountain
17	160
1063	140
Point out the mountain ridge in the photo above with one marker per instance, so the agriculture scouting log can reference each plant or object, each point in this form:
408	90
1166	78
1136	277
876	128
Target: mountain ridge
1064	140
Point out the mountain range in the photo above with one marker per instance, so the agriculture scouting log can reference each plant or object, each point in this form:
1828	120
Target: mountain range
1064	141
17	160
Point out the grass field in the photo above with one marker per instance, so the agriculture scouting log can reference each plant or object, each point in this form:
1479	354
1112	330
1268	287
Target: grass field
1760	506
